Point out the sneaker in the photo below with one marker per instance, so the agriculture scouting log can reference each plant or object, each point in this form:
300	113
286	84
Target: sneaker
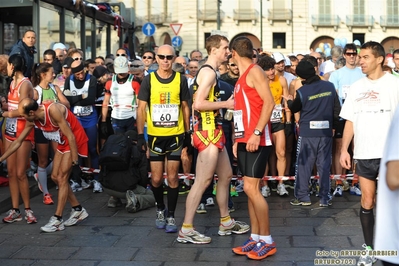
160	222
232	209
235	227
240	186
355	190
209	202
131	201
262	250
171	226
85	185
36	176
75	186
53	225
47	199
366	260
201	208
193	237
12	216
297	202
265	191
281	190
97	188
325	204
245	248
338	191
29	217
290	184
183	189
345	185
76	216
114	202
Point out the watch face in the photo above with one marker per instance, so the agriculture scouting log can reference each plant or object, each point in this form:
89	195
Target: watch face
257	132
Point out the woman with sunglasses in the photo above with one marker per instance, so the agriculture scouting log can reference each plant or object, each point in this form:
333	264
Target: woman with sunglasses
148	59
76	54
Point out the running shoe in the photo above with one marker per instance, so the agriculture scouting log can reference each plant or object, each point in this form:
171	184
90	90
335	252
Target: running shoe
114	202
97	188
366	260
265	191
85	185
232	209
201	208
193	237
75	186
281	190
262	250
338	191
160	221
355	190
235	227
325	204
76	216
170	226
210	202
29	217
297	202
245	248
12	216
53	225
47	200
131	201
345	185
240	186
36	176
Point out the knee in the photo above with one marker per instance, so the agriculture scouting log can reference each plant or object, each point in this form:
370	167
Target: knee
280	154
368	202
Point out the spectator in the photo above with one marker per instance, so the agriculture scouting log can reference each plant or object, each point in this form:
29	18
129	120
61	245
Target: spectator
26	48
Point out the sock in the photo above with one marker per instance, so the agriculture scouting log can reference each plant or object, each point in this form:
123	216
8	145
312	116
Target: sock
49	168
42	176
16	210
158	194
268	239
77	208
255	237
59	218
367	221
173	194
187	228
226	221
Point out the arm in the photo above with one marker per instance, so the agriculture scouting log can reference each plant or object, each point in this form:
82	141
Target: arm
104	109
294	105
392	175
18	142
141	116
61	97
284	84
347	136
186	115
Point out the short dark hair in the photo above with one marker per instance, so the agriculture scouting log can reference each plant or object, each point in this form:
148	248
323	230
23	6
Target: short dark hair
243	46
376	49
395	52
50	52
266	62
350	46
89	61
311	59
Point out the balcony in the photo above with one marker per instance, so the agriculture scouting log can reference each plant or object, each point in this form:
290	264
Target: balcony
360	21
245	15
209	15
279	15
389	21
160	19
325	20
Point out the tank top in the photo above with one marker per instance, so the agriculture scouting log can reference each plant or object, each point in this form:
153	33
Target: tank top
46	94
123	99
277	92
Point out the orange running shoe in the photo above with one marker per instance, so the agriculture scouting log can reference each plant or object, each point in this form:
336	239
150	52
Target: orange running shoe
262	250
245	248
48	200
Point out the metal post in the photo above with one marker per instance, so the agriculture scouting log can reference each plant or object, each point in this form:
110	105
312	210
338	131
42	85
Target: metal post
218	15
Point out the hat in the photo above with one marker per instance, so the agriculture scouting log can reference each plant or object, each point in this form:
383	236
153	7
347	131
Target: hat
278	57
68	62
305	69
287	61
99	71
59	45
120	65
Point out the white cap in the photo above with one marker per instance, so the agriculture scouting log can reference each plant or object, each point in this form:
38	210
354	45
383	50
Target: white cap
59	45
287	61
121	65
278	57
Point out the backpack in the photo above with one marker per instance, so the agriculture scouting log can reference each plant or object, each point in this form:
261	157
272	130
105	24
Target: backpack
115	154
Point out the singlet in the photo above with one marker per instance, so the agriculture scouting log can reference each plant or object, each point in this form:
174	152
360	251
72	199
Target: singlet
247	108
277	92
123	99
15	125
207	120
77	109
165	116
46	94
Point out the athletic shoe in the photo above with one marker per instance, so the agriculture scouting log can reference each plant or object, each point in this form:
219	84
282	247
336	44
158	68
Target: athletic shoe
171	226
29	217
75	186
97	188
12	216
245	248
201	208
240	186
355	190
290	184
36	176
76	216
265	191
160	222
131	201
114	202
193	237
235	227
281	190
209	202
345	185
48	200
262	250
325	204
297	202
338	191
53	225
366	260
86	185
232	209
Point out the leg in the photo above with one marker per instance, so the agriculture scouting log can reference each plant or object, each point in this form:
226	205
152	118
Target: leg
367	205
224	173
323	164
157	169
42	153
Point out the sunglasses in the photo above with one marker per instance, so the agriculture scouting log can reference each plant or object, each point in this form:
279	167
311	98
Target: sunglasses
78	58
120	54
233	65
148	57
350	54
162	57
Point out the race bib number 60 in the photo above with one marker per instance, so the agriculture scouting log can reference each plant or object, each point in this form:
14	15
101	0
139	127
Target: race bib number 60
165	115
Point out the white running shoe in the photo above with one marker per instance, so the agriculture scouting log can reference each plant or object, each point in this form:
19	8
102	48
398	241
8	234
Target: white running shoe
53	225
240	186
281	190
265	191
338	191
355	190
76	216
366	260
210	202
75	186
97	188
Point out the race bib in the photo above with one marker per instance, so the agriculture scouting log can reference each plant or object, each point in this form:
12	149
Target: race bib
11	127
165	115
53	136
83	110
277	114
319	124
238	124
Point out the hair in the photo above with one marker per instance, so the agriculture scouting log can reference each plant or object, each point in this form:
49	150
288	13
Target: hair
3	64
89	61
151	52
350	46
177	67
266	62
212	41
194	51
293	58
341	62
74	51
29	31
387	69
243	46
29	105
50	52
100	57
256	53
376	49
336	51
311	59
111	56
110	67
39	69
395	52
18	62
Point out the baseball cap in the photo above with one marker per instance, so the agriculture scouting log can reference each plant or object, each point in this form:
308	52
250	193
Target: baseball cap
287	61
68	62
59	45
121	65
99	71
278	57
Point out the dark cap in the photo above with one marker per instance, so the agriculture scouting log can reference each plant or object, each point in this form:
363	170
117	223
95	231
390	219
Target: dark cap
68	62
99	71
305	69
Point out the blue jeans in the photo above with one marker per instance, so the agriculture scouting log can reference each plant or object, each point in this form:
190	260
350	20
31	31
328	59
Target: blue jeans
120	126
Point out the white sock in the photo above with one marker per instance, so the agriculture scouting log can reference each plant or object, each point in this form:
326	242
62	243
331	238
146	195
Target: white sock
268	239
255	237
42	176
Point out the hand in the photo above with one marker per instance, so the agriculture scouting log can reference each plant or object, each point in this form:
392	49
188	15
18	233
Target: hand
288	129
187	139
67	93
235	149
288	98
230	103
104	128
253	143
345	160
85	95
141	143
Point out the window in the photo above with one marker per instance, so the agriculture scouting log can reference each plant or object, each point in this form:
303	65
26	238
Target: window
206	35
324	6
278	4
392	11
358	36
279	40
358	11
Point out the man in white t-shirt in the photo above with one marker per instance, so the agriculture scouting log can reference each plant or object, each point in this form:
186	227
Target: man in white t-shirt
369	107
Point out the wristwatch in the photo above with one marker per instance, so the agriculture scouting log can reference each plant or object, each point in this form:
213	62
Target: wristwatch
257	132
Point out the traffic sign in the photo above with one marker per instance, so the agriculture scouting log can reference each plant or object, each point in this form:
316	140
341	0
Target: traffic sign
177	41
148	29
176	27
